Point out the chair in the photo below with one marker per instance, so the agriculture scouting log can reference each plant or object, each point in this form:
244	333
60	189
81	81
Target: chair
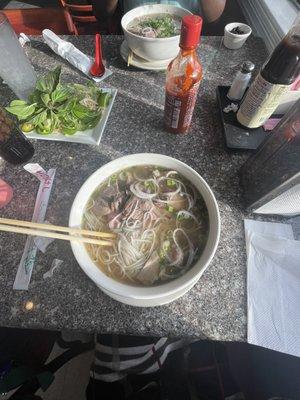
32	21
82	19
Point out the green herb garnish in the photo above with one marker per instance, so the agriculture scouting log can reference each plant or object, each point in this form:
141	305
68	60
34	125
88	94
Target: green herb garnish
113	179
181	217
57	107
169	208
171	183
150	185
165	248
164	26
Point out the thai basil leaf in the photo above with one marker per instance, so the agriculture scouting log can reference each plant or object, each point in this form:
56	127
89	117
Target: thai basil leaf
35	97
46	99
103	99
22	111
89	122
39	118
46	126
48	83
80	111
66	107
18	103
54	120
60	94
69	125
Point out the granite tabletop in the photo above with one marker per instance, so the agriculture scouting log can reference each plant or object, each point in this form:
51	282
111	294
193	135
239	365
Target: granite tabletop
216	306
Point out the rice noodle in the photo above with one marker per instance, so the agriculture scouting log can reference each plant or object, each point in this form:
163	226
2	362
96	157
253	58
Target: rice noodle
149	230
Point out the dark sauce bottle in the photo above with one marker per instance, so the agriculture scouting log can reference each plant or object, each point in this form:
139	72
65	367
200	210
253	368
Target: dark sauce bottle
277	74
283	67
15	148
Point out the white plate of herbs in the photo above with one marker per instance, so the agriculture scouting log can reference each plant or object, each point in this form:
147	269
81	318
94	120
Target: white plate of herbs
68	112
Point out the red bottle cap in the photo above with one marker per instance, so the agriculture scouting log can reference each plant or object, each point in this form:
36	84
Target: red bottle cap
191	26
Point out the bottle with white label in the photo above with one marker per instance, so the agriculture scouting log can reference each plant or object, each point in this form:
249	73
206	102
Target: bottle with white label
275	78
184	74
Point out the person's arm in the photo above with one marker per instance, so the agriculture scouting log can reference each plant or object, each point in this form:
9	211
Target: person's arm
104	9
212	9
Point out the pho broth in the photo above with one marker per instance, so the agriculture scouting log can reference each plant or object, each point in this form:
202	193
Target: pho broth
160	221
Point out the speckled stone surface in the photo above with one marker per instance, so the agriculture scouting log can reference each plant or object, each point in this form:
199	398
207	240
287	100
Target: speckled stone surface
216	307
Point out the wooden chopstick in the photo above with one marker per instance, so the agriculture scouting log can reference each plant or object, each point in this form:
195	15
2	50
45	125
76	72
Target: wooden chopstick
54	235
49	227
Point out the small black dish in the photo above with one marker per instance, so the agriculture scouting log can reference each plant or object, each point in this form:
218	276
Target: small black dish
236	135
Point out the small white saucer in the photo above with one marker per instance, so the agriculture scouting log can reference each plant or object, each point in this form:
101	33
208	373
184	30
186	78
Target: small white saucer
140	62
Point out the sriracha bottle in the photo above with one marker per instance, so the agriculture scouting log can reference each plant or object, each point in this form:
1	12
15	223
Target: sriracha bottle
184	74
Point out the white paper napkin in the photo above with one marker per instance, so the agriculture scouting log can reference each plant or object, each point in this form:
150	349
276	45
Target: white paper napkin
267	228
273	272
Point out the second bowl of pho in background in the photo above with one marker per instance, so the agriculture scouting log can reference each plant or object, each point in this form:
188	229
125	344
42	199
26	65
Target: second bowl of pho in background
153	31
167	226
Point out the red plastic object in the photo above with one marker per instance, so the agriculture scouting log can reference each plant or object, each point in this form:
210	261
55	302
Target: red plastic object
6	193
98	68
190	31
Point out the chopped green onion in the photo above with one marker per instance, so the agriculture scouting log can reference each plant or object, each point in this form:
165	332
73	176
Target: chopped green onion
166	246
149	185
181	217
169	208
113	179
171	182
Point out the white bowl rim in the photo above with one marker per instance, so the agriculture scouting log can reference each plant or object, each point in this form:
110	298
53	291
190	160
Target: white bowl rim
234	25
144	292
147	39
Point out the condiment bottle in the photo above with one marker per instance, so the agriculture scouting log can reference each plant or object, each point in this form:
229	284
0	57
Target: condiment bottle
274	79
240	82
184	74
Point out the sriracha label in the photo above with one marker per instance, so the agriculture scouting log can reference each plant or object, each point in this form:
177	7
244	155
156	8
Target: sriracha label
179	109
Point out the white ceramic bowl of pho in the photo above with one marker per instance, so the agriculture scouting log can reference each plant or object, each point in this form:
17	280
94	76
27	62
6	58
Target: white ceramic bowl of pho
164	291
147	47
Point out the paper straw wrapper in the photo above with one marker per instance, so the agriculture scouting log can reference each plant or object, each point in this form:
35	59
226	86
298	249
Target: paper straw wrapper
26	265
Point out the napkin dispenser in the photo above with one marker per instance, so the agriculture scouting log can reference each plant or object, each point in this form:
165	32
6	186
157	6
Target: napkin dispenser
271	177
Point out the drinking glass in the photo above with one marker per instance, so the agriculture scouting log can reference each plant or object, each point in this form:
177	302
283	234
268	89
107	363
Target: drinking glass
15	68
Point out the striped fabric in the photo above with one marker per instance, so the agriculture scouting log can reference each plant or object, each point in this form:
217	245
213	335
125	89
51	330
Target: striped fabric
119	356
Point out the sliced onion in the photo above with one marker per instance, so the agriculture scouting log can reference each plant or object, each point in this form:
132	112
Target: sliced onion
188	214
139	193
172	173
191	246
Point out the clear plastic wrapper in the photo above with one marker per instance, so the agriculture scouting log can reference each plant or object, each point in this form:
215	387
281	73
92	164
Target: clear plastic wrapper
70	53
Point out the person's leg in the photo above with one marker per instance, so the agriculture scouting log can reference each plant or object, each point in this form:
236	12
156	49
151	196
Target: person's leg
209	371
262	373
